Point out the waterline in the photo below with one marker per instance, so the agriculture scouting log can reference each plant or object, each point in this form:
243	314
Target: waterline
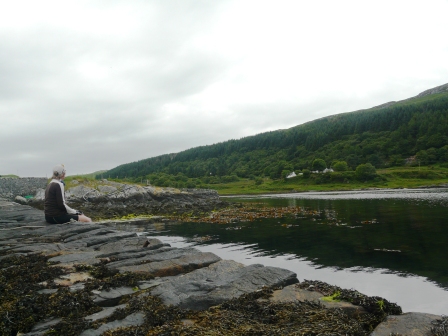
413	293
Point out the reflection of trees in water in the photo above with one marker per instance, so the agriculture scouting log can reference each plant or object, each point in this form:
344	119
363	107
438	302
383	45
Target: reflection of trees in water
347	233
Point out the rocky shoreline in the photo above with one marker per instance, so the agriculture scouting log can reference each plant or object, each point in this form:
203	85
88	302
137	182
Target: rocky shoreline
108	199
116	279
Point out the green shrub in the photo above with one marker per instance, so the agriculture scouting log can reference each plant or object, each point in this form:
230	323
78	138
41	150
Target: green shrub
365	172
319	165
340	166
306	173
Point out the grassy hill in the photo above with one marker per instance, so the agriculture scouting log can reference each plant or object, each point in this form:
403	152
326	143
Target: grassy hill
412	132
87	176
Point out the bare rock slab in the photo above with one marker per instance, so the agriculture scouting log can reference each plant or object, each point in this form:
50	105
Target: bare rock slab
87	258
161	254
219	282
106	312
130	245
37	248
65	231
410	324
111	297
132	320
175	266
15	213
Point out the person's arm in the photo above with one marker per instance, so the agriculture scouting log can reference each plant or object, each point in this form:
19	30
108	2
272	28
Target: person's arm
61	200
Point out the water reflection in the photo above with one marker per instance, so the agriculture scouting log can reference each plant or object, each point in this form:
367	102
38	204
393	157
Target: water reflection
387	243
412	293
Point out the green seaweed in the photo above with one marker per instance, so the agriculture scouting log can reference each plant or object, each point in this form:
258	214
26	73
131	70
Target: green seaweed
332	298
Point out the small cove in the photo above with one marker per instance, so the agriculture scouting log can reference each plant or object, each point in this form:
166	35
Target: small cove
388	243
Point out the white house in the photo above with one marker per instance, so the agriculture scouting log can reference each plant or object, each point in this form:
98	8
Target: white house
326	170
293	174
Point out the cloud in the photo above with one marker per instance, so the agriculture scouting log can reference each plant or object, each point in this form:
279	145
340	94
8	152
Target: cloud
95	85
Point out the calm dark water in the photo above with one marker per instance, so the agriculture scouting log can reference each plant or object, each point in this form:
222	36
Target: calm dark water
392	244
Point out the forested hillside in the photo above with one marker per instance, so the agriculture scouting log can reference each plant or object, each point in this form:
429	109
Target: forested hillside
413	131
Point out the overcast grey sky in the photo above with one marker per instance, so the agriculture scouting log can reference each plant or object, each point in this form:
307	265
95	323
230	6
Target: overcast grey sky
95	84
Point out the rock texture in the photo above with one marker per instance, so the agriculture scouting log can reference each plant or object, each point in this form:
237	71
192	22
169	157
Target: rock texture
12	187
135	319
111	199
293	294
221	281
184	277
435	90
413	324
438	89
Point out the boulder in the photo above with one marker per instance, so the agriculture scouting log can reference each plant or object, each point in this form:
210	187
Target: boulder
21	200
219	282
415	324
292	293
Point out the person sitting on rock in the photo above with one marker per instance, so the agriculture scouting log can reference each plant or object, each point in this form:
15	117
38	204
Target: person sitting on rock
56	210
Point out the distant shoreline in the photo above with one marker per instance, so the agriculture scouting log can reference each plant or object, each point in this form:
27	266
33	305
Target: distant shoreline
442	186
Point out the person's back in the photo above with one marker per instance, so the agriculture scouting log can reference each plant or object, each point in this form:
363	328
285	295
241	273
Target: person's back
54	201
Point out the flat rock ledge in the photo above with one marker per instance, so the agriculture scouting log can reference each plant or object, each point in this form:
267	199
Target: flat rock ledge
183	277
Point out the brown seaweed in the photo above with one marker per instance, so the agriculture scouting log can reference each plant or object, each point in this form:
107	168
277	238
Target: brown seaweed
21	306
373	304
440	327
250	314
